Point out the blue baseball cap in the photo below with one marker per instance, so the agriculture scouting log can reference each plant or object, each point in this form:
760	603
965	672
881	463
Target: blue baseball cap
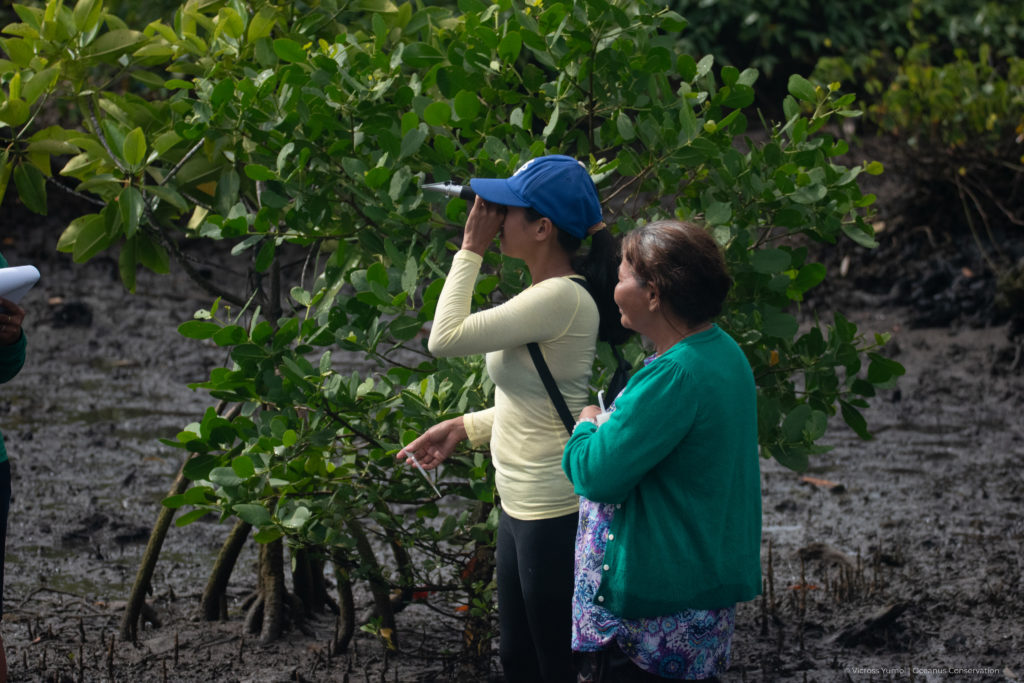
556	186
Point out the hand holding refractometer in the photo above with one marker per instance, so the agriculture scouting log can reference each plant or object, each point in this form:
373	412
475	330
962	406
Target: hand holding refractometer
452	190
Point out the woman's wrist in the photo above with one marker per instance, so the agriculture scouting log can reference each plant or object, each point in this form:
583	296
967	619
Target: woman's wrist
584	420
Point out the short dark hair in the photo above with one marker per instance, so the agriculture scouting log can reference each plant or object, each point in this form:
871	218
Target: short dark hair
683	263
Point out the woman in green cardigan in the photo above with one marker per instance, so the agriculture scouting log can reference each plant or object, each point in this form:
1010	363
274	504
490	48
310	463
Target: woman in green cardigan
670	517
12	357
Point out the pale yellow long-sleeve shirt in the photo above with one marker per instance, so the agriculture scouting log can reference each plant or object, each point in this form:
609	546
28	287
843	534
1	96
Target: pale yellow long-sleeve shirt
525	433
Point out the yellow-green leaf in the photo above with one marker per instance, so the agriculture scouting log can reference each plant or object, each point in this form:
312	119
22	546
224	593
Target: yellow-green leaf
40	83
262	24
134	148
86	14
114	42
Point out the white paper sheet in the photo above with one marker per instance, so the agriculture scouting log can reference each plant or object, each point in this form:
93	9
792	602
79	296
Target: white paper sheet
16	281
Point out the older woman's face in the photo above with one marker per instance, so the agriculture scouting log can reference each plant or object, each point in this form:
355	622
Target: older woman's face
633	299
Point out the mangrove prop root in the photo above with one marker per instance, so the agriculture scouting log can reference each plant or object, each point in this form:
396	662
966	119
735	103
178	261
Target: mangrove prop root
213	606
273	589
378	585
345	625
134	608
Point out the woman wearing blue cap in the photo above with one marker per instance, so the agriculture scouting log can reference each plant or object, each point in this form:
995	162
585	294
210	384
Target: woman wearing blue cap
541	215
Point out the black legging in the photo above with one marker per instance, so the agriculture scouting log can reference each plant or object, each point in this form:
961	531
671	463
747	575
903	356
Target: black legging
535	580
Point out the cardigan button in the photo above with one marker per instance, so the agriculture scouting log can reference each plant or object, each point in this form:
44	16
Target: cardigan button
606	567
611	537
600	598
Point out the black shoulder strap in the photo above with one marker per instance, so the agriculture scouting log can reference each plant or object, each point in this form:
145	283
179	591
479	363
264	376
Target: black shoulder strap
551	386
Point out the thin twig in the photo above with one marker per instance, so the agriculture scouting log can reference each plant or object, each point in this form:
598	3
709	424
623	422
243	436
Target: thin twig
974	231
184	160
103	141
89	198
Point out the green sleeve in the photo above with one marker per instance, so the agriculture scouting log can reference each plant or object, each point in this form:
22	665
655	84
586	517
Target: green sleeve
651	417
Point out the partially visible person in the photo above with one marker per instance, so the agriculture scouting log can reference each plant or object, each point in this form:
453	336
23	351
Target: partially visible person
12	357
542	214
670	513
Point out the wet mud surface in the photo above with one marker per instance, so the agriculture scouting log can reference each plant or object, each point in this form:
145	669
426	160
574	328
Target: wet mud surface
896	558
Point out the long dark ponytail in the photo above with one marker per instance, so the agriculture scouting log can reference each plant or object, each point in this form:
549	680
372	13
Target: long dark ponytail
600	266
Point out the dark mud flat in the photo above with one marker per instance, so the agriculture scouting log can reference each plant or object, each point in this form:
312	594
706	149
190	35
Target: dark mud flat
895	558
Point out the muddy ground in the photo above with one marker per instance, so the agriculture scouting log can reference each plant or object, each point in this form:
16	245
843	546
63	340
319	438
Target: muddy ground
895	558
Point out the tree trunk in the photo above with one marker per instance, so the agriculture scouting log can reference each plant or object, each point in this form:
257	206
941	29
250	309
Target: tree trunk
213	606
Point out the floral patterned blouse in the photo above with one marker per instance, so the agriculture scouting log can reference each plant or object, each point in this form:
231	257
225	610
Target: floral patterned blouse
691	644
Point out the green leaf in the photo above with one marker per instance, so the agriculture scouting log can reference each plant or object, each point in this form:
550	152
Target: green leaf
861	233
86	15
792	457
168	195
225	476
412	142
297	519
262	24
253	513
510	45
243	467
151	254
190	517
778	324
230	335
130	204
718	213
802	89
39	83
6	168
198	329
421	56
625	126
268	534
289	51
127	265
259	172
796	422
855	420
265	257
114	43
437	113
405	328
467	105
770	261
31	185
199	466
71	234
222	92
133	150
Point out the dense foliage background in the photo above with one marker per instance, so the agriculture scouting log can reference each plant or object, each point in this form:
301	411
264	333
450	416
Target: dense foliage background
296	136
